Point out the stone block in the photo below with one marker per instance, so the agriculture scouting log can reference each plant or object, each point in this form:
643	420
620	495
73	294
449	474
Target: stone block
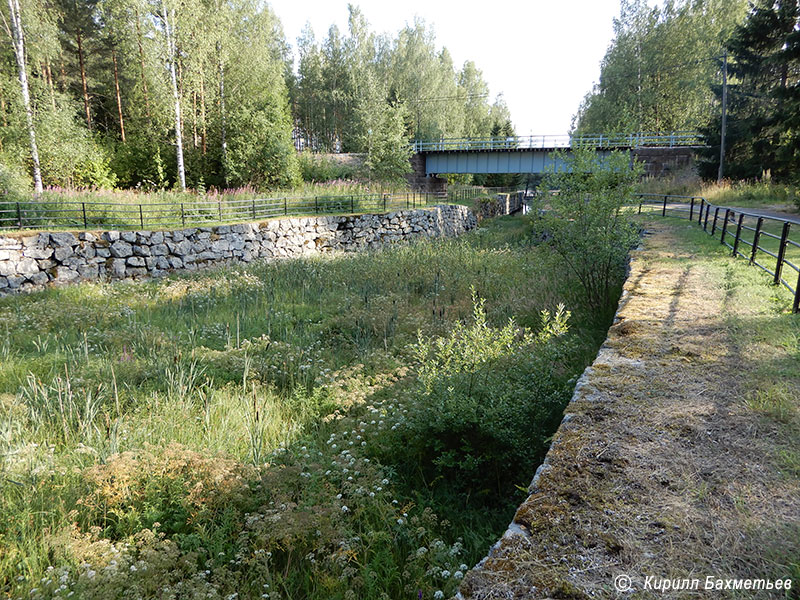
121	249
62	253
36	252
65	275
62	240
118	268
135	261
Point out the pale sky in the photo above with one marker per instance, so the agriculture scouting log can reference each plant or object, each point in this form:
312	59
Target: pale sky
542	55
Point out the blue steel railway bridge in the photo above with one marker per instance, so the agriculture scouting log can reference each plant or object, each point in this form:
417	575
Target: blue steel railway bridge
662	151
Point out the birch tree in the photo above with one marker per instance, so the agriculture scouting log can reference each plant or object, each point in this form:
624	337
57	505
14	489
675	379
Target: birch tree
171	60
18	40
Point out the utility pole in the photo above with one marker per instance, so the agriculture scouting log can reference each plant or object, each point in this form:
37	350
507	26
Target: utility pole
724	116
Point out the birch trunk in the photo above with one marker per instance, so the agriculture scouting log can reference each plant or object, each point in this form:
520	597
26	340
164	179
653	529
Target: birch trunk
176	97
19	52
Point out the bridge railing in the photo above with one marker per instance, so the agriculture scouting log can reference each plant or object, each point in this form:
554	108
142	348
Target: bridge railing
614	140
762	240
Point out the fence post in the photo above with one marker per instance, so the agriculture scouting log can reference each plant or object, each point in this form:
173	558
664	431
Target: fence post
691	210
141	216
641	199
705	223
352	203
285	206
254	209
664	210
85	222
407	204
725	226
316	205
756	237
714	224
384	202
738	235
219	208
19	216
796	304
781	252
183	215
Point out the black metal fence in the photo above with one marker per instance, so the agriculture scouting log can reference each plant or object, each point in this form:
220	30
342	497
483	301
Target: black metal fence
764	241
91	215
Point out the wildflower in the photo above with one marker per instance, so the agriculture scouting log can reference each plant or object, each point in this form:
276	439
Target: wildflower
438	594
345	509
463	567
445	574
458	575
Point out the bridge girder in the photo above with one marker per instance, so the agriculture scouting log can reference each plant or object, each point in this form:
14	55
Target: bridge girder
509	160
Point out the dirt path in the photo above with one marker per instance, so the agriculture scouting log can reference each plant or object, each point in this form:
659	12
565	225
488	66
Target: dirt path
660	468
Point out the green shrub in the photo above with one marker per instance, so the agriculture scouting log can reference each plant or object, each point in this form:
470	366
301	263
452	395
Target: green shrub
318	168
488	400
15	186
584	222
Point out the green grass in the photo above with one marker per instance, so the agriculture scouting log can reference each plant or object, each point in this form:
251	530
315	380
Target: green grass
220	432
768	242
765	337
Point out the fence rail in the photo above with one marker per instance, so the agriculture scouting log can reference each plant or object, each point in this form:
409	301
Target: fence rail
764	241
612	140
92	215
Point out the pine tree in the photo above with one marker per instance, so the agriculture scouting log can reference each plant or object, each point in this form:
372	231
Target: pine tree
764	96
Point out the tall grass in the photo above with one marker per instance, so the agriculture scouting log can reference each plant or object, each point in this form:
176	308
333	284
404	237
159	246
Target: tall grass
745	194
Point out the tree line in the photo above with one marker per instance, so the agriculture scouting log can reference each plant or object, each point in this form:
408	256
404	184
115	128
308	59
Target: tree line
663	72
199	93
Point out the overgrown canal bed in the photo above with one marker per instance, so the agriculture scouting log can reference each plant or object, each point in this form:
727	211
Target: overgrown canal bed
332	427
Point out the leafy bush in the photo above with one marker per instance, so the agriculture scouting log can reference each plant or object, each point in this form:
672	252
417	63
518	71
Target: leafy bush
584	222
488	400
318	168
15	186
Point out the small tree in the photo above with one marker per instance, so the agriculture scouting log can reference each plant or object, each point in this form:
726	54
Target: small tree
388	150
584	221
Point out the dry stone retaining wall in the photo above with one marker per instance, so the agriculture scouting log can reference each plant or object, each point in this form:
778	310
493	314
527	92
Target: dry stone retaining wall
501	204
30	262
